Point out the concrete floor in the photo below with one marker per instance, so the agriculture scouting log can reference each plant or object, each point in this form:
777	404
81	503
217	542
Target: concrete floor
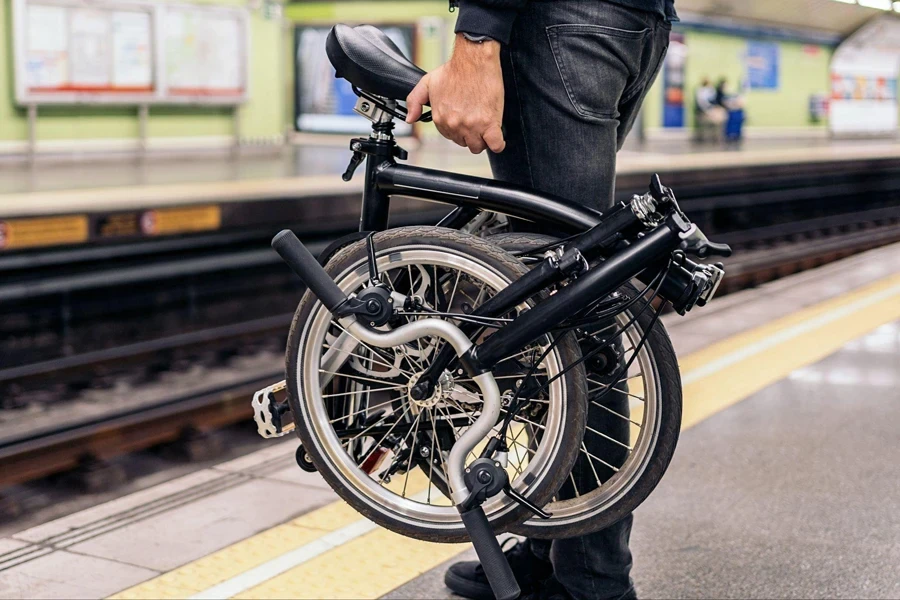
793	493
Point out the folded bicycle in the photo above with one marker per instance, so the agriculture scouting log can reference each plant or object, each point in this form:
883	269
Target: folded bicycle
446	384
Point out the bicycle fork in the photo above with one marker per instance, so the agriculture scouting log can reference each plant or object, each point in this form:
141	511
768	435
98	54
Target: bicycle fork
467	496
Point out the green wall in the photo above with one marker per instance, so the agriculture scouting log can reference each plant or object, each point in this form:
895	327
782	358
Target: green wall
262	116
268	112
804	70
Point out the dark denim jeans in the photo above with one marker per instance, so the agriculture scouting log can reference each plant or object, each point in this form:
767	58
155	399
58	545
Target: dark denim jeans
576	73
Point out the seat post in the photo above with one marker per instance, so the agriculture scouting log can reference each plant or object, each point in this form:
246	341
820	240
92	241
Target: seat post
376	203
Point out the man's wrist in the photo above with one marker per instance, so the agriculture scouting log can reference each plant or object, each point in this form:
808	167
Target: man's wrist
488	48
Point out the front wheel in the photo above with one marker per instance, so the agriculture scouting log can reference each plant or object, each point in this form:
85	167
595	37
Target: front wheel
384	453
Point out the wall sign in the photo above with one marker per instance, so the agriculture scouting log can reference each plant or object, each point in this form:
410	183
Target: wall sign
762	62
673	82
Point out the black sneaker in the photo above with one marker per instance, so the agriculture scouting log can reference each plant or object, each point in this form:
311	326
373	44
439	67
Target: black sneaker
467	579
549	589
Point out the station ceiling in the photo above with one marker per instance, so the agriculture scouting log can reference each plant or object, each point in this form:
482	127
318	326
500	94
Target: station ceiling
827	16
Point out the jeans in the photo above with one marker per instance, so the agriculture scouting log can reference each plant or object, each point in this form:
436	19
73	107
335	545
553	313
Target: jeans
575	74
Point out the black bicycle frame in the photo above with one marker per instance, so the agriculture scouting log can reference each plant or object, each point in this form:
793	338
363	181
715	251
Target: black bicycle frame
385	178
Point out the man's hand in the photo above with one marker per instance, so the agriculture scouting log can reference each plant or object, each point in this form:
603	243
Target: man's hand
466	96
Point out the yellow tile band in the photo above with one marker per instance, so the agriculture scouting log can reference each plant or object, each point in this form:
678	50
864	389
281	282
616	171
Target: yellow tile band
376	562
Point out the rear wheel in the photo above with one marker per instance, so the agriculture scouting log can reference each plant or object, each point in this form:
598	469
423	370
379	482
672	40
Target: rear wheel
633	423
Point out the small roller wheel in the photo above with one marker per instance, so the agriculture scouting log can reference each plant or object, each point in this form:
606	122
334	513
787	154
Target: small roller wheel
304	461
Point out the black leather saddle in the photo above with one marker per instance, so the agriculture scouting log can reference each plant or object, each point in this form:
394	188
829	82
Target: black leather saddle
368	59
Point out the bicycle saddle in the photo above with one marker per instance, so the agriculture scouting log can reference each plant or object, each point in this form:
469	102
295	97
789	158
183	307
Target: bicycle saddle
368	59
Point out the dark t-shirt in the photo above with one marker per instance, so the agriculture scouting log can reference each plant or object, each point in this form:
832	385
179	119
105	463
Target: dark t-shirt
495	18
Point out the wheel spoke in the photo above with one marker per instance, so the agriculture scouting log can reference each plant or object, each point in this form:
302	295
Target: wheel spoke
379	421
439	450
365	391
412	449
453	293
611	411
356	377
613	440
371	359
606	386
593	469
353	414
377	445
599	460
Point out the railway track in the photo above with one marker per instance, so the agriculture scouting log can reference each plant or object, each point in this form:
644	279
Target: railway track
780	222
66	445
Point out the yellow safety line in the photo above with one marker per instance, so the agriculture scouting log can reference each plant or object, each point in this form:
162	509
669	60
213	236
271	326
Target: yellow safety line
377	562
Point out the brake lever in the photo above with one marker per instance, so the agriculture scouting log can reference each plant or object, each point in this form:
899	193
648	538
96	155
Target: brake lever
697	244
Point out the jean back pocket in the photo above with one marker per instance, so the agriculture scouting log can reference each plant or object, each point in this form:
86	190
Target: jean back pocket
599	66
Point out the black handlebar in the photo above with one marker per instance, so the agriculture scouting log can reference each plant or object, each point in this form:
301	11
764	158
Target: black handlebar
304	264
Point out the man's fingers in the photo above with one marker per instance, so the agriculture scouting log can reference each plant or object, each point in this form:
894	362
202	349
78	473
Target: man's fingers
475	144
493	137
451	134
417	98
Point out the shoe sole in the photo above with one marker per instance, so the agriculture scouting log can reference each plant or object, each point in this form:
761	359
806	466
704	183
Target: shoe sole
466	588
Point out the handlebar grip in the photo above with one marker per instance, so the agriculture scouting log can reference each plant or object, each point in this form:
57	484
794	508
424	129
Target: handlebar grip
305	265
496	567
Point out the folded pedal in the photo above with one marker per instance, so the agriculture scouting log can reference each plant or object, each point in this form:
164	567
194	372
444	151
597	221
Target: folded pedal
269	413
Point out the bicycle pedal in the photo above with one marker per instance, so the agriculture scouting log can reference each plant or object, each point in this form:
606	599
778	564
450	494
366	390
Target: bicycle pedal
269	413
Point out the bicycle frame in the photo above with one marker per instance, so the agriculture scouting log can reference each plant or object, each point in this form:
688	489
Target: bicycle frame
385	178
469	194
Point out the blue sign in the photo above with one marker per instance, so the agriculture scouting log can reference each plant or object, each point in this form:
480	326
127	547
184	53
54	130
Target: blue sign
762	65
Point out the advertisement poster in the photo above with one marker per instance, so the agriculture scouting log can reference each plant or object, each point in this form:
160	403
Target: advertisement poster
673	82
132	50
90	49
203	53
47	47
762	62
862	87
324	103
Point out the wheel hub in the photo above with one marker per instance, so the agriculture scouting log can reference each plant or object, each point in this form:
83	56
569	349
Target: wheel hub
442	389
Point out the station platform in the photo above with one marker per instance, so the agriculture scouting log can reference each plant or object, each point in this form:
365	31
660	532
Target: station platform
71	203
784	484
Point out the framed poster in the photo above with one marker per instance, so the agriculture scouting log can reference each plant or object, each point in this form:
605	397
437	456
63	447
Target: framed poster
762	63
200	56
129	52
324	103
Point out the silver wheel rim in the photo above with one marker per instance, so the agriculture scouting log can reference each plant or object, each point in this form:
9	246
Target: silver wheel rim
406	509
590	504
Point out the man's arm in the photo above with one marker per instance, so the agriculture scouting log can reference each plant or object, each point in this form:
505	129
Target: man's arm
466	94
493	18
